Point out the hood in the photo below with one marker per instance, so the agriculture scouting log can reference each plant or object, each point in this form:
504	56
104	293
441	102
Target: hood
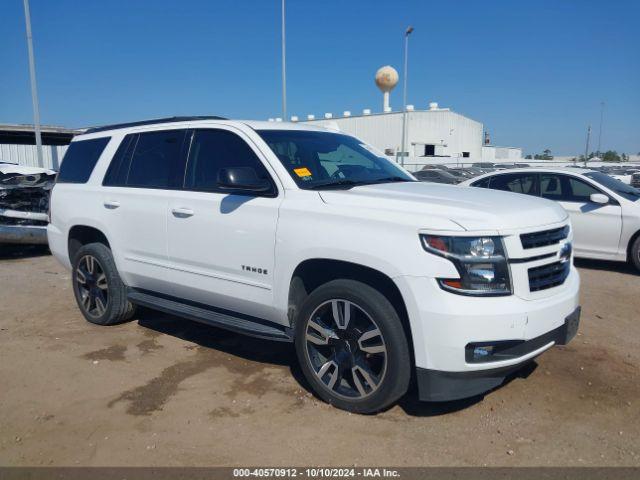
470	207
12	168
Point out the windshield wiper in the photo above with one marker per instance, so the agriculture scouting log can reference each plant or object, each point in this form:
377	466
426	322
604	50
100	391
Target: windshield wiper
391	179
338	183
345	182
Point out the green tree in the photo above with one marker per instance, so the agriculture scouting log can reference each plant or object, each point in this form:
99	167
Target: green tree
545	155
611	156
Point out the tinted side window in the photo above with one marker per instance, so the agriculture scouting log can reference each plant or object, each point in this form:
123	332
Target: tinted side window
116	175
581	191
515	182
565	189
212	150
484	183
79	160
551	186
155	158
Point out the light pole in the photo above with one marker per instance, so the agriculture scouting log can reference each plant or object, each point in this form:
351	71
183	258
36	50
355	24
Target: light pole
586	150
34	88
404	93
284	66
600	130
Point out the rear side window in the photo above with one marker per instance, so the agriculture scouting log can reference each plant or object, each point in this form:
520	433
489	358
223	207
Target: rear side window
484	183
79	160
212	150
155	159
515	182
118	170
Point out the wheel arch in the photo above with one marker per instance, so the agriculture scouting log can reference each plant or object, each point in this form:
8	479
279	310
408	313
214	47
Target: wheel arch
80	235
312	273
630	243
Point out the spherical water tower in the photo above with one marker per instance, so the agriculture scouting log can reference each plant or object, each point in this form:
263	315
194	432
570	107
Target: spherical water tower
386	80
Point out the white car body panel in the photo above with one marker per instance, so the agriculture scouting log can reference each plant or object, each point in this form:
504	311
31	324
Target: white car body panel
596	228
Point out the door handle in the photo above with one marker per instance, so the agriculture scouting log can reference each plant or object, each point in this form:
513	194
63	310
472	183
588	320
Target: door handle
182	212
111	204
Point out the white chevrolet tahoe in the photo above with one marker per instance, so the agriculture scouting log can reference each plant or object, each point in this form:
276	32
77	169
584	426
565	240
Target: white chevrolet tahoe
295	233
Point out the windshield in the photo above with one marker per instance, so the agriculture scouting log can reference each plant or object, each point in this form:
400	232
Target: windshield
617	186
318	160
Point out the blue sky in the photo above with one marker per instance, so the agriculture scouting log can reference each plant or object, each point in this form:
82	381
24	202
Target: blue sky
533	72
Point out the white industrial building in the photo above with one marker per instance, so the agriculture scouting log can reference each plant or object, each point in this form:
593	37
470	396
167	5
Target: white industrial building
434	135
493	153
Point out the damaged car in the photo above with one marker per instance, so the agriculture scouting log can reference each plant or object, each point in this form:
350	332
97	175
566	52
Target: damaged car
24	203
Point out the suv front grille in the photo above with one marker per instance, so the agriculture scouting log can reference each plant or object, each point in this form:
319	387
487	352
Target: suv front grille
544	238
548	276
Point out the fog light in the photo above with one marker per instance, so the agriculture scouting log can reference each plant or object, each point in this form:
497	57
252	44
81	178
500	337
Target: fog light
480	353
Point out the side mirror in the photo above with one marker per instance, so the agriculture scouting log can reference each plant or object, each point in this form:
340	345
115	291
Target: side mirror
600	198
242	179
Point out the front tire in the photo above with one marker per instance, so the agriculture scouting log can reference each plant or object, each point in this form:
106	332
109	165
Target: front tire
99	291
352	347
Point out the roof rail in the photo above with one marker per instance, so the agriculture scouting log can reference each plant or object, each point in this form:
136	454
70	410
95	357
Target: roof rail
152	122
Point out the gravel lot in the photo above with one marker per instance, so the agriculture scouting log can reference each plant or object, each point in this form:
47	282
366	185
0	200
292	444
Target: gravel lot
165	391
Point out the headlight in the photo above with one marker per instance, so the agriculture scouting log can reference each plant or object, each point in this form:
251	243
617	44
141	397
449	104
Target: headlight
480	261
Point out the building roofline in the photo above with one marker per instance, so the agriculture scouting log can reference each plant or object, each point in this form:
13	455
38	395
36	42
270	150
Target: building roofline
18	127
376	114
501	146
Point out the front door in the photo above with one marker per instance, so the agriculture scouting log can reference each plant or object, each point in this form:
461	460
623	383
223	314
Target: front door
221	245
596	227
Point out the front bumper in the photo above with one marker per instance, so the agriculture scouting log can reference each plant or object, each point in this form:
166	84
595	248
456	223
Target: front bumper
443	324
437	385
23	234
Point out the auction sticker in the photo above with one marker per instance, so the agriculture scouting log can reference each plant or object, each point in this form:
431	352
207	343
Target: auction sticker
302	172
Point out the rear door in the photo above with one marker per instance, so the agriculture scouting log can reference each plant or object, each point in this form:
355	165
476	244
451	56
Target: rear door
220	244
135	204
596	227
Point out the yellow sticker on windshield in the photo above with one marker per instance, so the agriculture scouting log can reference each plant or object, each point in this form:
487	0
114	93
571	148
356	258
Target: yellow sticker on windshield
302	172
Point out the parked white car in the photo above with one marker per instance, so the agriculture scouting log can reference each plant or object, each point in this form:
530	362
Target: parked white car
605	213
295	233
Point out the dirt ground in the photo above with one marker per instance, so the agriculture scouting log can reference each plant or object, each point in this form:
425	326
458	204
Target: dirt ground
161	390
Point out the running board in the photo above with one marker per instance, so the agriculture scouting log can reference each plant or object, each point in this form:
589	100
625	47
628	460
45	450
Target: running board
210	316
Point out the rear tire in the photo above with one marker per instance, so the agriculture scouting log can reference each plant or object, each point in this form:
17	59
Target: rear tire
352	347
634	254
99	291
